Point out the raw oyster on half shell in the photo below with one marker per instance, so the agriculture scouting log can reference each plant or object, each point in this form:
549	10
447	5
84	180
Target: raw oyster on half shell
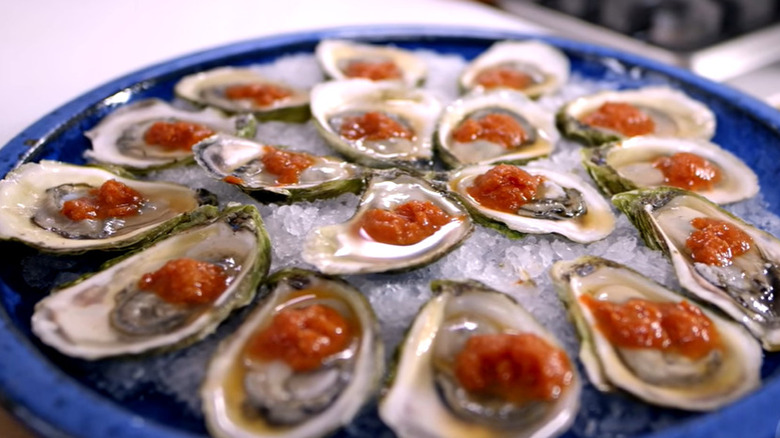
717	257
267	380
614	115
431	394
168	294
648	162
341	59
35	197
699	366
150	134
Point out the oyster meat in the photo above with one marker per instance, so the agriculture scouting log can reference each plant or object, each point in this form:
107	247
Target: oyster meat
692	358
380	124
269	381
244	90
613	115
273	173
717	257
402	223
494	126
35	197
114	311
533	67
341	59
430	394
151	133
691	164
562	202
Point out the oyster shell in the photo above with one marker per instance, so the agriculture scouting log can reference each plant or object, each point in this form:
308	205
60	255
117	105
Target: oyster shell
119	138
629	164
32	197
745	288
564	204
673	114
209	88
544	68
107	314
335	57
348	249
657	376
244	396
240	161
423	398
538	138
334	104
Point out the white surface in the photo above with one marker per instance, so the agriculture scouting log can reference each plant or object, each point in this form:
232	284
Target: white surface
52	51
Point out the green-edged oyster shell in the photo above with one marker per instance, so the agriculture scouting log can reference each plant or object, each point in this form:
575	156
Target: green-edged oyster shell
537	122
106	314
655	376
414	403
628	164
746	289
240	400
118	139
675	115
335	55
413	108
347	249
208	88
225	157
547	66
32	195
566	205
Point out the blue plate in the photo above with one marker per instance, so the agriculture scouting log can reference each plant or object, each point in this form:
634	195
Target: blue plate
61	396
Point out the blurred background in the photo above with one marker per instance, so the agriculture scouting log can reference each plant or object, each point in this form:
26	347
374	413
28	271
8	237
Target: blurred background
733	41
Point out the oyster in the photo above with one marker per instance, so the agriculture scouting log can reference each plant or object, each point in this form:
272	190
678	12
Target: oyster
495	126
380	124
649	161
613	115
272	173
402	223
532	67
34	195
426	396
743	279
255	387
679	373
341	59
112	312
244	90
562	204
141	136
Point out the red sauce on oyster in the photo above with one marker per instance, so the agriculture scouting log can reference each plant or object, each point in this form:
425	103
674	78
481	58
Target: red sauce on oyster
302	337
503	77
373	126
176	135
111	199
261	95
621	117
679	328
287	166
374	70
716	242
688	171
519	367
407	224
186	281
505	188
498	128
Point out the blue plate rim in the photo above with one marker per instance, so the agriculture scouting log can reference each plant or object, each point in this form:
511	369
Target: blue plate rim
69	409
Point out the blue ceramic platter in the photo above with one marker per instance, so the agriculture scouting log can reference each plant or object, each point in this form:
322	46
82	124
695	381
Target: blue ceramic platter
60	396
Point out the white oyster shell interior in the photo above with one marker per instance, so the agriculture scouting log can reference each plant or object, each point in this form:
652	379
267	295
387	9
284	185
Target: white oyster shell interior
333	55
